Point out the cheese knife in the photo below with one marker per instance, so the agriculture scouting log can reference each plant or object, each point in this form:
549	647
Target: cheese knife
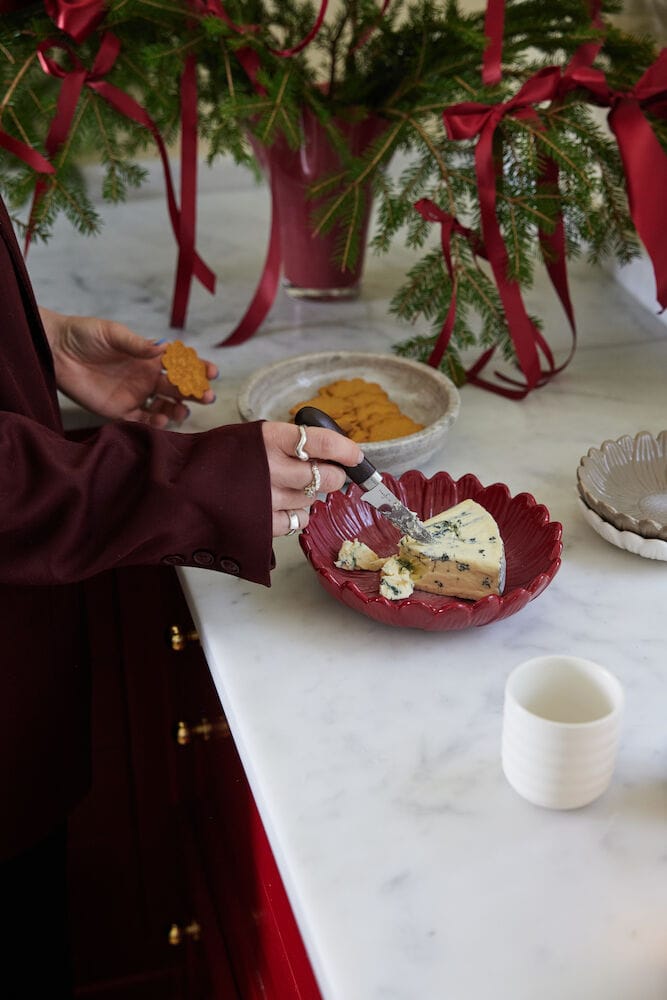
365	475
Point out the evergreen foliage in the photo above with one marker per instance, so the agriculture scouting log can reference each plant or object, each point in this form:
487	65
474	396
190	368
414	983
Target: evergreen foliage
406	65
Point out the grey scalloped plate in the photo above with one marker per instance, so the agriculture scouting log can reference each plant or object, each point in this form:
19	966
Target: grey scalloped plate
625	482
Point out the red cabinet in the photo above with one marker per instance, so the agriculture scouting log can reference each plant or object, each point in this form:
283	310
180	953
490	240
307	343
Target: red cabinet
175	892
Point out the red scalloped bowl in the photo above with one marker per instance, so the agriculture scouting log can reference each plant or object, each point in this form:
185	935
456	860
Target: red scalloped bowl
532	550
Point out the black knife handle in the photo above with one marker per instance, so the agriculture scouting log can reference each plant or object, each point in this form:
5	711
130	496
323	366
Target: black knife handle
310	416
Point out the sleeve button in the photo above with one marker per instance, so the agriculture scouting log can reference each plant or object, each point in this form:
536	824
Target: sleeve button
202	557
174	560
230	566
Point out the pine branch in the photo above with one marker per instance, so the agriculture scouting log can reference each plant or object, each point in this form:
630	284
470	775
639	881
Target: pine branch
404	67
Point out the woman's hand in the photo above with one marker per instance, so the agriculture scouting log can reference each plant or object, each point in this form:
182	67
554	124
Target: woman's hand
291	477
110	370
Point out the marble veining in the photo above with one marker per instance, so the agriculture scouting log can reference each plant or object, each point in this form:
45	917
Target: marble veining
414	870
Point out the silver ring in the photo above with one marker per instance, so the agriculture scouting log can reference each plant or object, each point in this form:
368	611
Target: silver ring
298	451
313	486
293	522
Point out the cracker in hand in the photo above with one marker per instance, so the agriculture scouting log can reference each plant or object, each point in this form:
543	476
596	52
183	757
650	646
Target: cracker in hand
185	369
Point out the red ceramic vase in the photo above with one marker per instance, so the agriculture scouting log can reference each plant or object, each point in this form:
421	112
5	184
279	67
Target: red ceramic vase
310	268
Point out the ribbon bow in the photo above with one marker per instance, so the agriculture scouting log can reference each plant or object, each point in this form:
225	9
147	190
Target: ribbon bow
73	81
467	121
644	159
77	18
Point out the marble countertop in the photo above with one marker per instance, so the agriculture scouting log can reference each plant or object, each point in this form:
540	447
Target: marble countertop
413	868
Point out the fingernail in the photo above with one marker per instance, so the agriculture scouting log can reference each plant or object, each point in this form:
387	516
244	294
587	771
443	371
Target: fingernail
162	341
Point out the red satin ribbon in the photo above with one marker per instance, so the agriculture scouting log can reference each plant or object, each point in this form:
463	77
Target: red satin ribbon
587	53
188	213
250	61
31	156
268	284
645	166
217	9
644	160
369	31
554	255
267	287
73	82
553	244
494	26
450	225
467	121
77	18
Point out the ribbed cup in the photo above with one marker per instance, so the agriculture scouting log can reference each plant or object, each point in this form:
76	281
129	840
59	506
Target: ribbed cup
561	724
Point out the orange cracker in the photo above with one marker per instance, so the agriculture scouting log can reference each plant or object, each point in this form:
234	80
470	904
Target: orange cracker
363	410
345	388
393	428
331	405
185	369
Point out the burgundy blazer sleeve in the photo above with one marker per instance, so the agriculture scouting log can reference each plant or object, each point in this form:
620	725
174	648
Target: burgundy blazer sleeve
130	495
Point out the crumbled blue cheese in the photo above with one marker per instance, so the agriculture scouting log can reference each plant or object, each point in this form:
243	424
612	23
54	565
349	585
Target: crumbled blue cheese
395	579
358	555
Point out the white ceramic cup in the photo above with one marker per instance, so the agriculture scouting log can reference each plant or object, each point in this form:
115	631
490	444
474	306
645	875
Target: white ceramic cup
561	723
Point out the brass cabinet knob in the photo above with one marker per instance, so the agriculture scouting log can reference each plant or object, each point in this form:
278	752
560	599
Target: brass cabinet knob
177	934
178	638
204	730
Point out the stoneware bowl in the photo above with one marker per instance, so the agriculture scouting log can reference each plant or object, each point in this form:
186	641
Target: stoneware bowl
532	550
625	482
420	391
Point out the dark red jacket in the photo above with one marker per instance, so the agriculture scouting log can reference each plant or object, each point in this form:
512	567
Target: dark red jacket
125	495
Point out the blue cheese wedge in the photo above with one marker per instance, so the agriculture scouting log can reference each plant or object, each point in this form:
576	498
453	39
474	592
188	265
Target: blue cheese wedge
466	557
357	555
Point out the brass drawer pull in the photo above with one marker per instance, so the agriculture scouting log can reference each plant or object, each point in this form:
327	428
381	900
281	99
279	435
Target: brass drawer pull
178	638
178	934
204	730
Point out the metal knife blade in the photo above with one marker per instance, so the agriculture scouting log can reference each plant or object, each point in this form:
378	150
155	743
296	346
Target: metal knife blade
390	506
377	493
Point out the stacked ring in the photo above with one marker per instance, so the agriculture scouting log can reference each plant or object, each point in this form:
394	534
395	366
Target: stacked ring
293	522
299	450
313	486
